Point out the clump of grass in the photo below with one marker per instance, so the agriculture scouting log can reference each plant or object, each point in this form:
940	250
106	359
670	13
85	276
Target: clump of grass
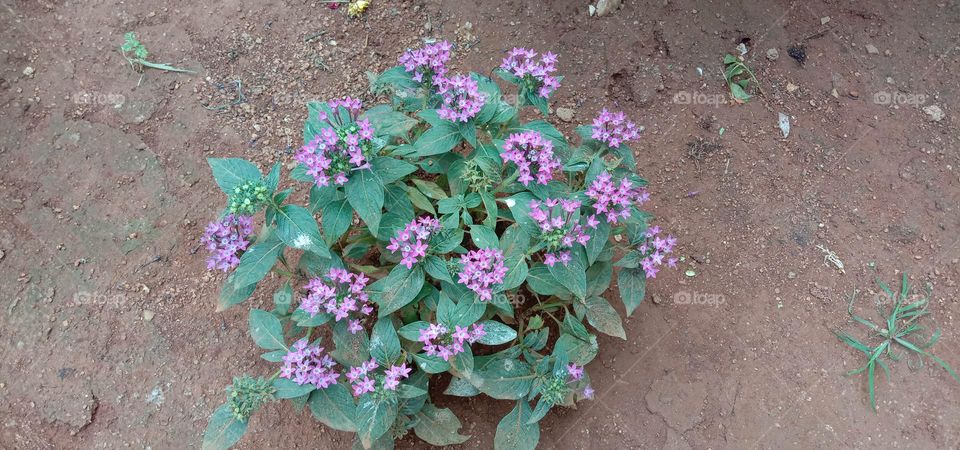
738	77
138	53
899	331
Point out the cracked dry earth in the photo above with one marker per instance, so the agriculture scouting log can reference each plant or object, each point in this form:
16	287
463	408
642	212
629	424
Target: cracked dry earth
108	335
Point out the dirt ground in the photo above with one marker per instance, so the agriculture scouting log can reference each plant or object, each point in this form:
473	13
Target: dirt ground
109	338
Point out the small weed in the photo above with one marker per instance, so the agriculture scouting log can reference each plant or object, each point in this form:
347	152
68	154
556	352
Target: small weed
138	59
738	77
901	322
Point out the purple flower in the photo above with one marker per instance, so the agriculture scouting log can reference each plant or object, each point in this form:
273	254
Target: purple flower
439	340
226	239
427	63
654	250
413	240
529	150
462	99
588	392
482	269
339	293
575	371
308	364
614	200
535	74
559	231
363	379
614	129
339	149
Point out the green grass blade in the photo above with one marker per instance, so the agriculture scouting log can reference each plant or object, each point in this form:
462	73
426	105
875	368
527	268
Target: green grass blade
166	67
945	366
870	385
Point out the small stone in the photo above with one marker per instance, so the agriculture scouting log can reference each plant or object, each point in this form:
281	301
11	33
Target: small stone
791	275
773	54
605	7
28	71
934	113
148	315
824	20
657	300
834	93
792	87
565	114
854	94
890	80
872	49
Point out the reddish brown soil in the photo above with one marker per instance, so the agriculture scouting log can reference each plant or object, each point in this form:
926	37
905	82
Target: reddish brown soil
110	200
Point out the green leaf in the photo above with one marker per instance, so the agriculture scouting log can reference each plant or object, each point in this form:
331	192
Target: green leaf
397	289
514	433
460	387
490	206
462	364
543	407
365	193
469	132
542	281
573	275
387	122
411	331
391	169
322	196
464	313
337	217
515	241
297	228
397	78
256	262
266	330
223	429
430	189
272	179
633	285
504	379
334	407
604	318
420	201
287	388
439	139
431	364
407	391
599	276
519	205
576	350
598	240
232	172
233	293
374	418
283	298
548	131
438	426
484	237
496	333
350	348
384	343
437	268
517	272
274	356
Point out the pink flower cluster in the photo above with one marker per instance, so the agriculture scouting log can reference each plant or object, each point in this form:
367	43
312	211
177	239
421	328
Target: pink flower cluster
352	104
338	150
654	249
576	374
440	341
342	295
225	238
522	64
530	150
427	63
614	128
364	380
462	99
558	229
482	270
308	364
413	240
615	200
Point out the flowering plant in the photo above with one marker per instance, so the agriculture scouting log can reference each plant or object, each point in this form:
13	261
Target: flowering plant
456	243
